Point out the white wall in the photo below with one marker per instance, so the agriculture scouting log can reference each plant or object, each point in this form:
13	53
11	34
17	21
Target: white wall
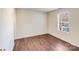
1	21
30	23
73	35
8	29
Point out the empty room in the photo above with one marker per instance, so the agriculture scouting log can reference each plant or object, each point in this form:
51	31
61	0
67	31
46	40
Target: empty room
39	29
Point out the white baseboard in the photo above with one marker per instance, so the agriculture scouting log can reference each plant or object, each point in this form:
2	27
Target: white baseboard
66	40
19	37
46	33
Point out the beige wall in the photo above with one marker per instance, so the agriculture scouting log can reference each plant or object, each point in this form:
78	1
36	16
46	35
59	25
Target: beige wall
73	35
30	23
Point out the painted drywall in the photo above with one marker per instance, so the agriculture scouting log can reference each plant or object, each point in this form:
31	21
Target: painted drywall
8	29
71	37
1	20
30	23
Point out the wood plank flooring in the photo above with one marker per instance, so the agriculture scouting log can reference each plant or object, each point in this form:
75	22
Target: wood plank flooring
44	42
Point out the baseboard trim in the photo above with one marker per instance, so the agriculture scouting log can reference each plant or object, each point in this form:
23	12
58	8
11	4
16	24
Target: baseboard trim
65	40
26	36
44	34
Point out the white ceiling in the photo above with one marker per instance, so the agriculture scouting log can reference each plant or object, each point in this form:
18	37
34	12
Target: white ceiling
43	9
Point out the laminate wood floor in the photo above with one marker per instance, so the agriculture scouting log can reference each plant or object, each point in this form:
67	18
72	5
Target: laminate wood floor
44	42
